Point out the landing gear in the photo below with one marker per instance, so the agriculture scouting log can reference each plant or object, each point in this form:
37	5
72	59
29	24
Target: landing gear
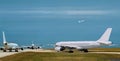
10	50
4	50
70	51
32	47
16	50
62	48
84	50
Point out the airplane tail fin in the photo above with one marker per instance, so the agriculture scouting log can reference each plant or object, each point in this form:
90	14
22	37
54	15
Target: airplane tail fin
104	39
4	39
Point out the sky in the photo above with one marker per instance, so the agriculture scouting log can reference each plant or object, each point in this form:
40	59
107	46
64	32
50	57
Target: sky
48	21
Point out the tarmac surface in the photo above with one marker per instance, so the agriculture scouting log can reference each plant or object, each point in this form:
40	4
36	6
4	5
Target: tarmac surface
3	54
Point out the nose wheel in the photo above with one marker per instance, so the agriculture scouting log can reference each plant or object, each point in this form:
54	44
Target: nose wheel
4	50
84	50
70	51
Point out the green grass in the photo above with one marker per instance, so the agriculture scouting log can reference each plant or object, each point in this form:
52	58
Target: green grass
104	49
61	56
64	56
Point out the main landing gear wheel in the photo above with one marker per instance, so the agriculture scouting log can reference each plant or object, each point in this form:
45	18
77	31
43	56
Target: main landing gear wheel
4	50
70	51
85	50
10	50
16	50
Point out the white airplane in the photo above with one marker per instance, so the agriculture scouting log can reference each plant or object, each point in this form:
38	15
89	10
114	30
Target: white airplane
84	45
33	46
9	46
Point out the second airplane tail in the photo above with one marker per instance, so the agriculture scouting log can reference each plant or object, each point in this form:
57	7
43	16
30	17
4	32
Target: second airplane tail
104	39
4	39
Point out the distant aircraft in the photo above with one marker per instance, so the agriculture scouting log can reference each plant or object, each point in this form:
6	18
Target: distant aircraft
33	46
9	46
84	45
81	21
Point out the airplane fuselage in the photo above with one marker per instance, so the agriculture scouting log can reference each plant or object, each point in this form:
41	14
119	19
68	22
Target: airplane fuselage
12	45
79	44
84	45
9	46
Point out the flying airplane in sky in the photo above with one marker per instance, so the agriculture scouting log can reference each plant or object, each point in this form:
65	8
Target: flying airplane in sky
84	45
9	46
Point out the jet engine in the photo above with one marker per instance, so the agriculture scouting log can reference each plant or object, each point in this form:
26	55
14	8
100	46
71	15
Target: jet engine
59	48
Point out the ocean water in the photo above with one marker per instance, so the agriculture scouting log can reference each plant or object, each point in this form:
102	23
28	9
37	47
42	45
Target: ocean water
46	22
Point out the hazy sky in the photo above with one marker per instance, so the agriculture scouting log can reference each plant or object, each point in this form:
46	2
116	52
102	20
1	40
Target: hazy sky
48	21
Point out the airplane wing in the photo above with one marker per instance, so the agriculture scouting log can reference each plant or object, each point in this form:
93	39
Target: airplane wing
25	47
31	47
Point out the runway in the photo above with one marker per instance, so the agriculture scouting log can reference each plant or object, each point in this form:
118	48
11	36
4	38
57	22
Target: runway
3	54
38	50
